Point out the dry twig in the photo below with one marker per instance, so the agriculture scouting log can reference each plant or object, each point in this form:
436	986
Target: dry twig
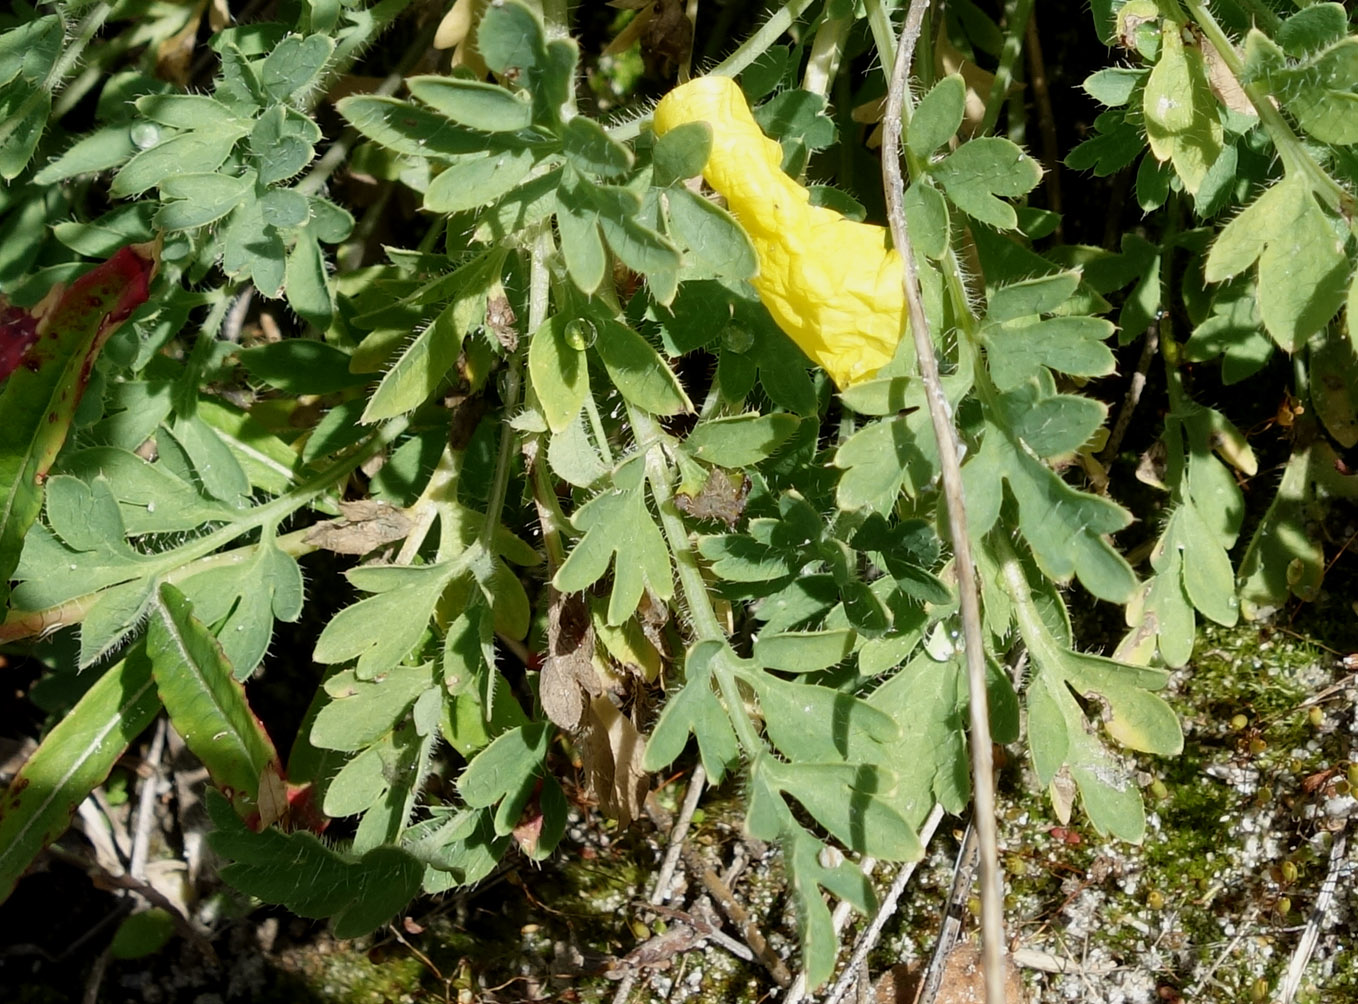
983	780
1311	934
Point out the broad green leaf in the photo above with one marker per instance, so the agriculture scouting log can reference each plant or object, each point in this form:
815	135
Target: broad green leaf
1052	425
476	181
307	283
681	153
582	246
1319	91
937	116
977	172
214	466
473	103
99	151
591	150
637	246
200	199
298	871
1041	295
290	70
511	39
1113	86
849	801
1334	385
198	152
151	498
30	49
1180	109
403	601
207	705
618	523
716	245
1018	350
190	111
884	458
253	249
1313	27
283	208
638	371
1303	272
241	601
422	365
926	213
408	128
695	709
283	142
72	760
740	440
804	651
506	767
38	401
558	369
812	724
24	110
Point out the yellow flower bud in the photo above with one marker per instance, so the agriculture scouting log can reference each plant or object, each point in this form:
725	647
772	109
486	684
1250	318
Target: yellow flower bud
832	284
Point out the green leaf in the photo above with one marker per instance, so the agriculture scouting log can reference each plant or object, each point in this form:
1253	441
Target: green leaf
938	116
190	111
38	401
283	142
473	103
1303	272
1018	350
478	180
24	110
1113	86
591	150
681	153
291	68
558	369
505	772
804	651
977	172
511	39
618	523
408	128
884	458
717	247
99	151
695	709
207	705
200	199
30	49
421	366
740	440
1054	424
142	934
637	246
403	599
72	760
1040	295
577	224
1319	92
241	601
186	153
638	371
307	283
1180	109
298	871
847	800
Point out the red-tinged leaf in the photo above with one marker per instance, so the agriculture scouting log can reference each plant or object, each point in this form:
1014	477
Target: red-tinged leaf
208	708
18	331
75	757
61	337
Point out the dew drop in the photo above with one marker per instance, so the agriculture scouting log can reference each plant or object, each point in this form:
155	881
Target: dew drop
150	507
145	135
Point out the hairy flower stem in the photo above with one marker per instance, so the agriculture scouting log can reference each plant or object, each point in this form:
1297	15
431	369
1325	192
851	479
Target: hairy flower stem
983	778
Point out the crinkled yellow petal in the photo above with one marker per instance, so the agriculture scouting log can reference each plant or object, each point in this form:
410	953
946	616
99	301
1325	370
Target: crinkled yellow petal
832	284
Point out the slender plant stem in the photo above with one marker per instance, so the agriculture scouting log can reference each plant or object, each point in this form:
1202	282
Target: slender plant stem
983	779
758	43
1016	15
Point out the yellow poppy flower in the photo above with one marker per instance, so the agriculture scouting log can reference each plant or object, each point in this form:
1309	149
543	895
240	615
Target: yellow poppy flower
832	285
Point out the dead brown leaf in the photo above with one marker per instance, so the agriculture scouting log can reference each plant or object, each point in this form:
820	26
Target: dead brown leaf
568	671
611	748
722	497
365	526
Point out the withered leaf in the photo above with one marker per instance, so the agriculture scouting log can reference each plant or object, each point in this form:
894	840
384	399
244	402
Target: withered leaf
611	748
568	671
365	526
722	497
